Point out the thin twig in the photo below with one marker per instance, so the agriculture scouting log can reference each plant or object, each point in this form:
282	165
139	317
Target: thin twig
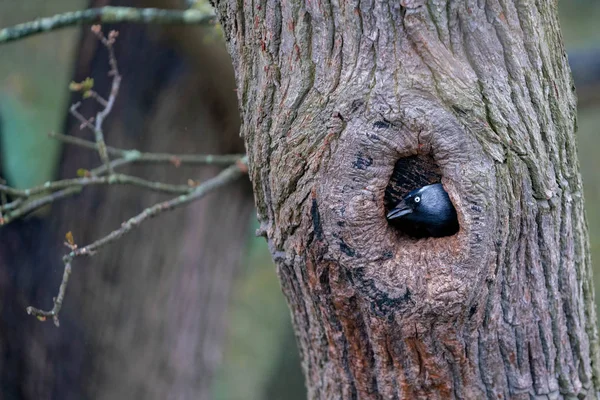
119	162
33	205
114	92
7	206
137	156
58	300
107	15
84	121
114	179
22	207
226	176
94	95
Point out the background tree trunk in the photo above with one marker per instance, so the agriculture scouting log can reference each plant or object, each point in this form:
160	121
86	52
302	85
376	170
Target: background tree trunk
477	94
144	318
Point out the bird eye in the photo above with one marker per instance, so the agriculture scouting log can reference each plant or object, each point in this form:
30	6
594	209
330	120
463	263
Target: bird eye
417	199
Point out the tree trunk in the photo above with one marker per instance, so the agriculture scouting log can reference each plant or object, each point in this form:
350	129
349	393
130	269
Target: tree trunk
340	98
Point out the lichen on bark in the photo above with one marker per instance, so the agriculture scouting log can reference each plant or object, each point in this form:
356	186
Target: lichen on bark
332	95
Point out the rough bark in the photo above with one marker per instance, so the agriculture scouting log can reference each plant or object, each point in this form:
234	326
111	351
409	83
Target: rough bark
144	318
476	93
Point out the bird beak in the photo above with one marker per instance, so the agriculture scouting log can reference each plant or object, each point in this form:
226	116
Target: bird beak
400	210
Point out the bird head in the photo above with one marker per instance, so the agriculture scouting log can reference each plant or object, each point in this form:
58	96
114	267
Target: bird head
428	208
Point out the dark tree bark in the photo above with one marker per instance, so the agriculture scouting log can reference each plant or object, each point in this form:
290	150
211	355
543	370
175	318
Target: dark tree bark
339	98
145	317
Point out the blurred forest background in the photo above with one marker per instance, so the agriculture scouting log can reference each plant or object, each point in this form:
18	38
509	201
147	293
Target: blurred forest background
189	306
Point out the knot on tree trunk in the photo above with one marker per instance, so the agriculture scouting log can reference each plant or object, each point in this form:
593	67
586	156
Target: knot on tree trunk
378	160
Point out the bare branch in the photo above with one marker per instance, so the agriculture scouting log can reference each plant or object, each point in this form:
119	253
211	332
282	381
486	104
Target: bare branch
94	95
60	189
23	208
58	300
114	92
226	176
6	206
110	15
84	121
20	206
114	179
27	200
137	156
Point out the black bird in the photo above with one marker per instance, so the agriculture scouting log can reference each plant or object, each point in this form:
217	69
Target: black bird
427	211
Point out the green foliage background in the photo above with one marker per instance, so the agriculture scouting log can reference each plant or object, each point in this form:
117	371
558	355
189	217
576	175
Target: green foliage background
33	78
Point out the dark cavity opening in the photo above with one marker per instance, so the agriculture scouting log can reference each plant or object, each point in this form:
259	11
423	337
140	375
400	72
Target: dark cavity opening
411	173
